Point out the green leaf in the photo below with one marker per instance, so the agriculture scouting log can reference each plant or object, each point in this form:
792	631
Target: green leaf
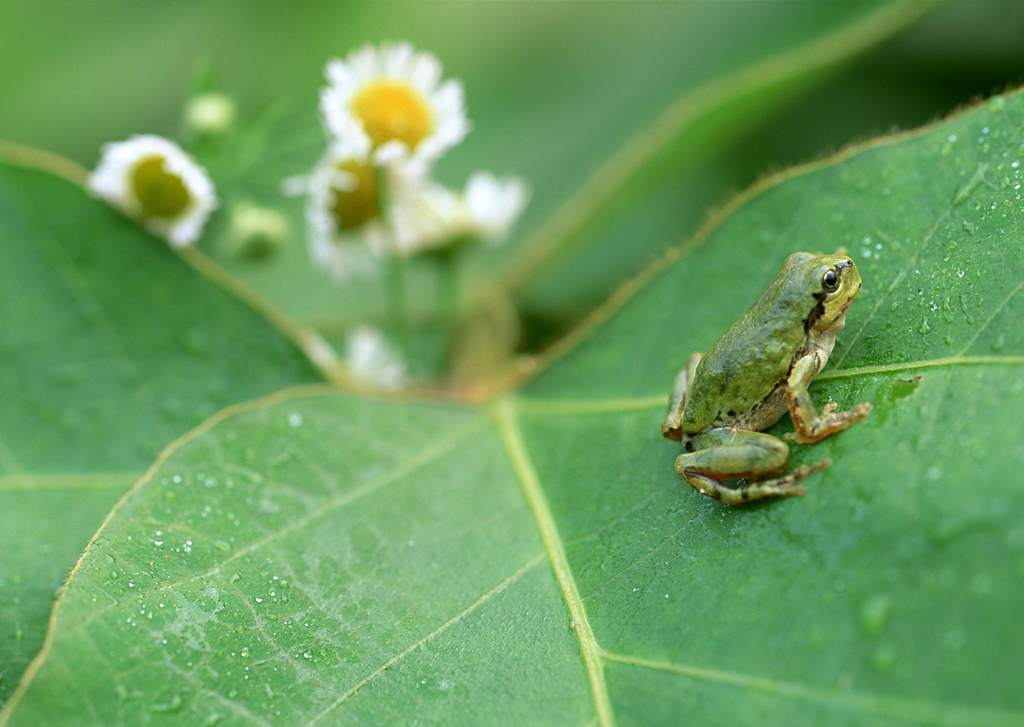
609	195
534	559
112	346
660	180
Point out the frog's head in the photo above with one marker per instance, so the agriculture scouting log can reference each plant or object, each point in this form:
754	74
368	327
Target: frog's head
832	281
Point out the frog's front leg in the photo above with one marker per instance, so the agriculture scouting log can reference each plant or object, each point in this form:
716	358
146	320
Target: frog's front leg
808	425
731	454
672	427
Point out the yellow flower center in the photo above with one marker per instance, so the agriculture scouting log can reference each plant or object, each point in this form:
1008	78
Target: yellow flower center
393	112
355	206
159	192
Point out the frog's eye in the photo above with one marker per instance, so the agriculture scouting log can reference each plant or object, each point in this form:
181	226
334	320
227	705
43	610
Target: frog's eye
830	280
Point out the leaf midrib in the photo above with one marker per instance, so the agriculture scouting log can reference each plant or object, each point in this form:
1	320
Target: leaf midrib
511	437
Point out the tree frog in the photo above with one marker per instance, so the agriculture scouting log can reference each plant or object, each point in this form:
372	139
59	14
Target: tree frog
723	400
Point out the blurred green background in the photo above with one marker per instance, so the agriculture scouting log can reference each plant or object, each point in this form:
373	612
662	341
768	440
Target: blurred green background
72	76
554	90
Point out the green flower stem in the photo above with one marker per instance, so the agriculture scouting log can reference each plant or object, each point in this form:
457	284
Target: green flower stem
448	259
397	301
448	283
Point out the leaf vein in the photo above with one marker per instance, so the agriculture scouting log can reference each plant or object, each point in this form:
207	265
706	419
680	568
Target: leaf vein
566	407
425	457
988	321
461	615
898	279
508	427
906	708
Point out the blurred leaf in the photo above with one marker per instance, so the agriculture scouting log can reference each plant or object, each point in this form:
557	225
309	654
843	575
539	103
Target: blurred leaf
608	194
536	560
112	346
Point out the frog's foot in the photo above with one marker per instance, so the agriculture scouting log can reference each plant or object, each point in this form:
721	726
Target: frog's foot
743	494
784	486
810	426
809	431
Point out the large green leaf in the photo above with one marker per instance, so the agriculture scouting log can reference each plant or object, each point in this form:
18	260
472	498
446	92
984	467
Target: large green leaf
318	557
111	347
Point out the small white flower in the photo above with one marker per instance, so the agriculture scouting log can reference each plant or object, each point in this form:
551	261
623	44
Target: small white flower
210	113
431	216
394	96
151	179
373	360
344	210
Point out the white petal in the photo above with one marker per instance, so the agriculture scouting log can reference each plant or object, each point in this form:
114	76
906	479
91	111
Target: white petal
494	204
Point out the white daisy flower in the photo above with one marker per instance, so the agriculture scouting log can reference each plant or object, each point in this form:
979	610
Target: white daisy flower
344	210
395	97
431	216
151	179
372	360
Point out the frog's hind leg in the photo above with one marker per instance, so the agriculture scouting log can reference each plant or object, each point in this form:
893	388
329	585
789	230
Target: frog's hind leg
730	454
672	427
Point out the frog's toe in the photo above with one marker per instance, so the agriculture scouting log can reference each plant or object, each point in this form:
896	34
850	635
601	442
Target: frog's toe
806	470
781	487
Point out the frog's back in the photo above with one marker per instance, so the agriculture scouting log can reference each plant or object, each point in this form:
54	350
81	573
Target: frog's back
739	377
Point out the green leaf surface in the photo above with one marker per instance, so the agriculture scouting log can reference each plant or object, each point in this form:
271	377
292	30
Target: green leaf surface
613	191
111	347
321	558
